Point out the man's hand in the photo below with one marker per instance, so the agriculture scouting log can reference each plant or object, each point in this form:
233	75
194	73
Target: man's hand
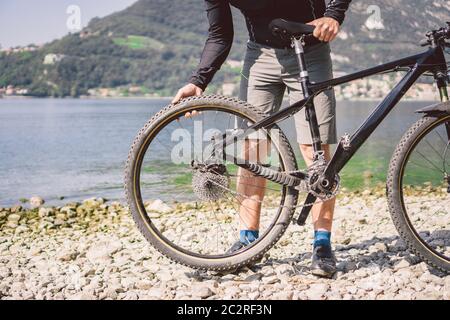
326	29
188	90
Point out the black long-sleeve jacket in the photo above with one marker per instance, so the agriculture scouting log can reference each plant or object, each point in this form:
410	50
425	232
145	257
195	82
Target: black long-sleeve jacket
258	14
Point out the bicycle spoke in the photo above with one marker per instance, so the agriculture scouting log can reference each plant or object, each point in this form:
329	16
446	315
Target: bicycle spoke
206	227
425	198
437	168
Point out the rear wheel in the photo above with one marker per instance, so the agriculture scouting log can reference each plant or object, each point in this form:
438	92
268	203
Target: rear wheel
418	190
201	215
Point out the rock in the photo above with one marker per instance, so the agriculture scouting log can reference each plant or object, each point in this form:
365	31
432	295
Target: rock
144	284
68	255
253	277
380	246
446	295
164	276
347	266
270	280
231	293
14	218
284	295
131	296
61	216
11	225
102	252
202	291
351	289
159	206
254	295
93	202
316	291
346	241
362	221
110	293
36	202
402	264
156	293
82	296
21	229
45	212
284	269
16	209
151	266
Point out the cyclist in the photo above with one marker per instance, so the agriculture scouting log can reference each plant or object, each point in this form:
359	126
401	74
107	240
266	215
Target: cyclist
270	67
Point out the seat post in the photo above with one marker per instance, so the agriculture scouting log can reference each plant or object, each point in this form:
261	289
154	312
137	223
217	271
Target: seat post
310	111
298	44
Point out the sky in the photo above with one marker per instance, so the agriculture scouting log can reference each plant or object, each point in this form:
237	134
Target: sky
29	21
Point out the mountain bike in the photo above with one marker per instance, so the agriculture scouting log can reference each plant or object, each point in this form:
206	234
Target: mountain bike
204	155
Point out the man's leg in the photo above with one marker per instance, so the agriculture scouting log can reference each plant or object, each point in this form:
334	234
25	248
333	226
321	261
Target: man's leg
322	213
261	86
319	66
251	189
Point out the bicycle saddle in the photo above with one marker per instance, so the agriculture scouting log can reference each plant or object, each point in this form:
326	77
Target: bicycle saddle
288	29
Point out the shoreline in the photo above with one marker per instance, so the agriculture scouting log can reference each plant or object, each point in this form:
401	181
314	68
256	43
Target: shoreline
169	98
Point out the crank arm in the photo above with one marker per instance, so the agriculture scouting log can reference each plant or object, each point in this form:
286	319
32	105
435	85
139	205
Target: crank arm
310	199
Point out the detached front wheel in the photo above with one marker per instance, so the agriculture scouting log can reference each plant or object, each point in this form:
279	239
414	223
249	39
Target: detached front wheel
206	199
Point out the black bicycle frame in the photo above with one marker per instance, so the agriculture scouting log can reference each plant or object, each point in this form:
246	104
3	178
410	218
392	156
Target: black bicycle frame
432	60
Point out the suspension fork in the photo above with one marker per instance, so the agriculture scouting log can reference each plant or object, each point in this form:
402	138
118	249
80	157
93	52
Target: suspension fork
441	81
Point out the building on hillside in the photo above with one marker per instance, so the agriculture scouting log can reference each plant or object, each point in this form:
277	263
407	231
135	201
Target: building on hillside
53	58
10	90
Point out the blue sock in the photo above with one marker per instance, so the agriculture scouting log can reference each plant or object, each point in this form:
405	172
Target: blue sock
322	238
248	236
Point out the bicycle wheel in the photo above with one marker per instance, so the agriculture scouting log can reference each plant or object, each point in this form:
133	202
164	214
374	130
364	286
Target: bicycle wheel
202	210
418	190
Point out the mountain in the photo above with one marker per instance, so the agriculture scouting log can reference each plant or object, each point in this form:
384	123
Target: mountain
156	44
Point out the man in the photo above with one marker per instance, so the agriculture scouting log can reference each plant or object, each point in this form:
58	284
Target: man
270	66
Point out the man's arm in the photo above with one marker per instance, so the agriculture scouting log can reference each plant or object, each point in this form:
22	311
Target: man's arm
217	45
327	27
216	50
336	9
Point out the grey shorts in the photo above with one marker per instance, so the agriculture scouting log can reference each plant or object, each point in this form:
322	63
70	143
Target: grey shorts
266	74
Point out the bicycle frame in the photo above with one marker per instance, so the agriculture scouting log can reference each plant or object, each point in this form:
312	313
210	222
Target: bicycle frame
432	60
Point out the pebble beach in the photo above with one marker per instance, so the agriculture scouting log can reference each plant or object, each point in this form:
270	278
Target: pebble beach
93	250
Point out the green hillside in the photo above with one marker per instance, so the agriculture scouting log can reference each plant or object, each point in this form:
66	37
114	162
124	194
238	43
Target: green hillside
156	44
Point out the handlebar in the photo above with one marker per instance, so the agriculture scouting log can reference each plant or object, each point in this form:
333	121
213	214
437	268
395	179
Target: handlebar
437	37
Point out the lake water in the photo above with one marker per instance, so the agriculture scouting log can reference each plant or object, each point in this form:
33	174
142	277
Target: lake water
77	149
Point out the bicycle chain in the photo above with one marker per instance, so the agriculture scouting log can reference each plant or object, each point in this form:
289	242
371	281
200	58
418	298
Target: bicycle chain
295	207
